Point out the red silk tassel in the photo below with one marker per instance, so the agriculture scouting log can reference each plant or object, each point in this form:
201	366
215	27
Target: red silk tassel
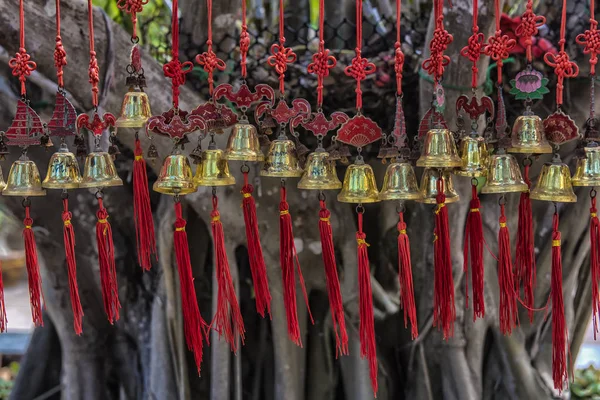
365	297
228	319
525	248
332	281
69	240
508	299
255	254
407	296
3	319
288	259
106	258
33	270
194	326
473	248
444	311
559	326
142	210
595	261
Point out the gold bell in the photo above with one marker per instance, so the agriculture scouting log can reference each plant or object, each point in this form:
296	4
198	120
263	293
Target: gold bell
24	179
2	182
281	160
587	172
400	183
99	171
319	173
474	155
359	185
439	150
429	182
63	170
504	175
528	136
213	170
135	109
175	176
554	183
243	143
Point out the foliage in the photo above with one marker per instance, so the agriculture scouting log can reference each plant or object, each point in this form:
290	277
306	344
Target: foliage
586	384
7	378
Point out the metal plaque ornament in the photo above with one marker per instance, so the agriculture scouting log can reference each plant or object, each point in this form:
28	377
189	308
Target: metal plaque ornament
529	85
473	107
26	128
317	123
359	131
560	128
426	123
175	124
216	116
96	125
281	113
63	118
244	98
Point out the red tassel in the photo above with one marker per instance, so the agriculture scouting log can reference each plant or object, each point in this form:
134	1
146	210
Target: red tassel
228	319
559	326
3	319
473	247
407	296
106	258
255	254
333	282
508	299
365	297
69	240
444	311
33	270
193	325
288	258
525	248
595	261
142	210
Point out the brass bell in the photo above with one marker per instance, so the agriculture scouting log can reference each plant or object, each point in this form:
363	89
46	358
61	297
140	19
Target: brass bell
99	171
429	182
2	182
281	160
528	136
175	176
504	175
243	143
63	170
320	173
400	183
213	170
554	183
587	172
135	109
439	150
474	155
24	179
359	185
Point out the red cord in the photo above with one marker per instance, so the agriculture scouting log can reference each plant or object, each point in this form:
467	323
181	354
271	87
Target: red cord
132	7
499	45
360	67
591	40
528	28
562	64
473	50
93	69
209	60
244	41
281	56
21	63
322	61
399	55
60	55
437	61
175	69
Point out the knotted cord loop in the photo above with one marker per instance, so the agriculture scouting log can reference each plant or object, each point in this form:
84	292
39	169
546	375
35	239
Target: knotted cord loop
175	69
132	7
323	60
281	56
21	63
590	39
209	60
60	55
360	67
528	28
437	61
244	41
562	64
398	54
474	46
499	45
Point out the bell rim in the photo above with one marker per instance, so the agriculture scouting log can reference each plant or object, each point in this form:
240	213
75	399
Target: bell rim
364	200
23	193
66	185
553	198
257	158
436	162
217	182
449	200
400	196
91	185
287	174
171	192
335	186
540	149
471	174
585	182
499	189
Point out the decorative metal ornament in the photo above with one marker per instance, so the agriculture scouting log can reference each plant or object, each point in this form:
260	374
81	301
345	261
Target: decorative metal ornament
474	157
213	169
554	183
429	185
528	136
528	85
439	150
587	171
135	109
63	118
281	160
400	183
63	170
359	185
23	179
319	173
560	128
504	175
